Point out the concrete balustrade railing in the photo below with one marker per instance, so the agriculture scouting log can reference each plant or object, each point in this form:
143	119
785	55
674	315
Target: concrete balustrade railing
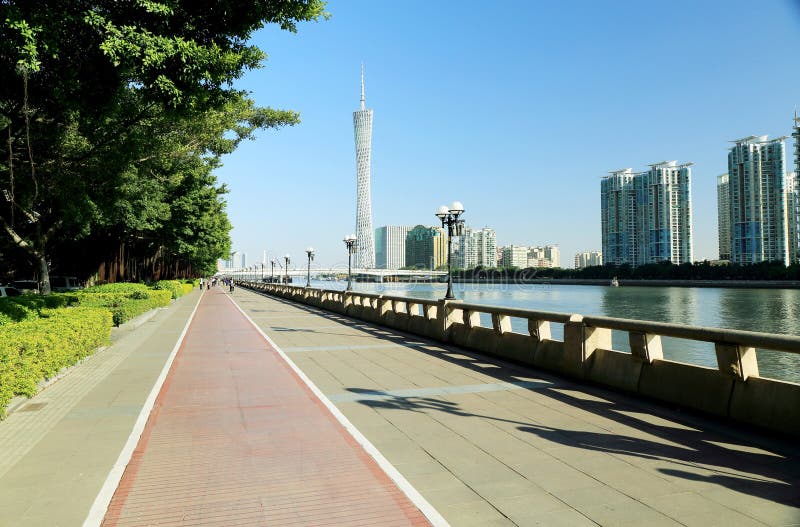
734	389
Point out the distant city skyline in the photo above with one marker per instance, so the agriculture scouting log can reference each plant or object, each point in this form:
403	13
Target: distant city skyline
518	124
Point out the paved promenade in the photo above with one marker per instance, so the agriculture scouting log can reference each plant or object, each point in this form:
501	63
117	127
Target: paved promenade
237	438
489	443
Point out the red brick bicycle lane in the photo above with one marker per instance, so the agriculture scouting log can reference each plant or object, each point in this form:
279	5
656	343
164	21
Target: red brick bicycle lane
237	438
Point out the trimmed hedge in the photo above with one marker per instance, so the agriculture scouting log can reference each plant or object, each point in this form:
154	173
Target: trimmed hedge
177	287
36	349
126	305
39	335
26	307
121	287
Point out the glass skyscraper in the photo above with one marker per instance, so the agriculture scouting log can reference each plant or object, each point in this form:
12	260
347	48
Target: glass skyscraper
390	246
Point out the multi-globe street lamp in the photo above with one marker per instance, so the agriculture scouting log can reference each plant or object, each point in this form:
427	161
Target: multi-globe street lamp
287	259
272	272
310	253
350	243
455	227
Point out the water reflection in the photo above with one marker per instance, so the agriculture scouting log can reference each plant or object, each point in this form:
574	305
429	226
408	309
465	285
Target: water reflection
768	310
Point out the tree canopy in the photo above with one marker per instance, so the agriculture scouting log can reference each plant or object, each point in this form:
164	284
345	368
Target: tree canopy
114	115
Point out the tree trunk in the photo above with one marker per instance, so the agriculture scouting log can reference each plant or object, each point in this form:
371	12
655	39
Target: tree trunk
44	274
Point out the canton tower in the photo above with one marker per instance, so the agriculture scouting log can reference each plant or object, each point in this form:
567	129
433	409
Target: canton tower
362	124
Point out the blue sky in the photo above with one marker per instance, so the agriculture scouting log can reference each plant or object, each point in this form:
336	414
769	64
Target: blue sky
515	108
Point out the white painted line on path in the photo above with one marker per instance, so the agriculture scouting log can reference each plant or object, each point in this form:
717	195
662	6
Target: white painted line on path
103	498
433	516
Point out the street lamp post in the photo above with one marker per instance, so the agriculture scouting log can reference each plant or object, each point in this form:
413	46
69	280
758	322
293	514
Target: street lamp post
263	265
350	243
455	227
310	253
287	259
272	272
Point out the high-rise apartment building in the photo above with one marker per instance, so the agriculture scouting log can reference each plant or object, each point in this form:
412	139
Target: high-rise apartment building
588	259
244	260
666	214
724	216
515	256
793	217
795	198
757	200
544	256
475	248
426	247
390	246
646	217
362	126
618	206
485	243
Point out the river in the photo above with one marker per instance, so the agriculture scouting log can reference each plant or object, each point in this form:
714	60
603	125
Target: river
766	310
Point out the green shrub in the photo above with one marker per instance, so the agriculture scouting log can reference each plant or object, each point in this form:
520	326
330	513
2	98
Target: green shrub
11	311
126	305
174	286
121	287
36	349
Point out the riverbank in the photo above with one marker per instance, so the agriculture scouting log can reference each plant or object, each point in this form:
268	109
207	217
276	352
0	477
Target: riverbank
749	284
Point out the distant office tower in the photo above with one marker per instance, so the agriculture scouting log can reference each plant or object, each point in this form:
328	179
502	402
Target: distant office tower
362	125
724	216
757	200
793	216
515	256
244	260
426	247
390	246
234	261
588	259
647	216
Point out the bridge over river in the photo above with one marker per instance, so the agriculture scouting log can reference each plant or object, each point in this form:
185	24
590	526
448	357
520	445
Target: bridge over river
268	406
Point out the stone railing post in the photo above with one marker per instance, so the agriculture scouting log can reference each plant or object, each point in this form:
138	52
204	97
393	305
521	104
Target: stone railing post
384	306
580	342
445	316
501	323
645	346
539	329
736	361
347	300
471	319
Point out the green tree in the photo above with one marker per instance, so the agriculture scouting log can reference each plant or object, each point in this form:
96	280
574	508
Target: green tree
114	113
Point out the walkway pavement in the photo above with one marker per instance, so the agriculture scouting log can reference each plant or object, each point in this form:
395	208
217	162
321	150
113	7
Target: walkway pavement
490	443
237	438
57	449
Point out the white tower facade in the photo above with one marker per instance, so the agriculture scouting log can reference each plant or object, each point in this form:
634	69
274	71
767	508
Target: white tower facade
362	124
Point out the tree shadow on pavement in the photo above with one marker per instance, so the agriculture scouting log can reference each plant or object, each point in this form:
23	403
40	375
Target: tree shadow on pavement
708	449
